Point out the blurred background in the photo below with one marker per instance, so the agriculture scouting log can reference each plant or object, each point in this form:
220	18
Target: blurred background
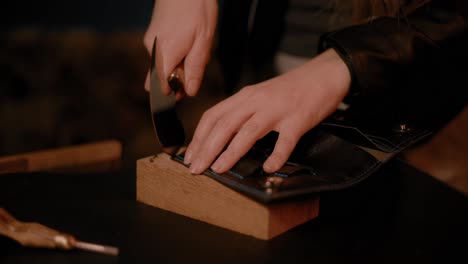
73	73
101	15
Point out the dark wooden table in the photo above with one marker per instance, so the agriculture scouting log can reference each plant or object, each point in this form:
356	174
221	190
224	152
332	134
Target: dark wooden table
398	215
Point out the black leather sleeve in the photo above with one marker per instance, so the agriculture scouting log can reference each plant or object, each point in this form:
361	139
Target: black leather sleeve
411	67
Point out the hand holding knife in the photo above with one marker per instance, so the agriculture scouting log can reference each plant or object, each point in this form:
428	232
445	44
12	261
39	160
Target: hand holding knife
167	125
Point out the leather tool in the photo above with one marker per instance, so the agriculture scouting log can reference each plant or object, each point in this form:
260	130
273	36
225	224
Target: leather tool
40	236
167	125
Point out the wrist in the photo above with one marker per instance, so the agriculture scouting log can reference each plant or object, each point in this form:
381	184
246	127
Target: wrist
339	75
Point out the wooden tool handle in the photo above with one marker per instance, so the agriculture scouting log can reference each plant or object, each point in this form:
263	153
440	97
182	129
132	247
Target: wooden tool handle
66	157
40	236
33	234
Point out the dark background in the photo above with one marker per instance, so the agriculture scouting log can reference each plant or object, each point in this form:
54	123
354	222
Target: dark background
101	15
72	72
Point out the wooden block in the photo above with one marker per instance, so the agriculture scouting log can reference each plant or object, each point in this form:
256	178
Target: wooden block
166	184
109	151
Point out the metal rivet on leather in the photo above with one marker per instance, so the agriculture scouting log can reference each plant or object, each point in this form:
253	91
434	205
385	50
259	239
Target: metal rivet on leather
338	117
403	128
272	182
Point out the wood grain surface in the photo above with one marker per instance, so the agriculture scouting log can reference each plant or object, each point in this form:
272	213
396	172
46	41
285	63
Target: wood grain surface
166	184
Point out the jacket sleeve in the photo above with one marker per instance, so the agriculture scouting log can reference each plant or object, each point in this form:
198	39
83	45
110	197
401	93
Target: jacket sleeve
410	67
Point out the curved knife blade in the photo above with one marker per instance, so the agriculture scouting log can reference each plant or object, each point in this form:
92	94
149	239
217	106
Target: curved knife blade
167	125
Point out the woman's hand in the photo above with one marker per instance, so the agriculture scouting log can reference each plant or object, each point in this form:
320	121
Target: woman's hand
185	29
290	104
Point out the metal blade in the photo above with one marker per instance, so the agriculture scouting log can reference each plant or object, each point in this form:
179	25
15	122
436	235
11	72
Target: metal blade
168	127
103	249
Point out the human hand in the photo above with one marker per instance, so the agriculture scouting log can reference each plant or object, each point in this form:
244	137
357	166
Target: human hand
290	104
185	29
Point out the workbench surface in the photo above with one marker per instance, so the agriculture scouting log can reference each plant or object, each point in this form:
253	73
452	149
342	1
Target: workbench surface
398	214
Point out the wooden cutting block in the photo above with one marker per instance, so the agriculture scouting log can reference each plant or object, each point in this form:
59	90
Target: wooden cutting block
167	184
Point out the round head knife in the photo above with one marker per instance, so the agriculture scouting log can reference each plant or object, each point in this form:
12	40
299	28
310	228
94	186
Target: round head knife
167	125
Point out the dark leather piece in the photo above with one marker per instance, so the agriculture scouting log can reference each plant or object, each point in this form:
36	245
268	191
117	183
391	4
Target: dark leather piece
320	162
408	66
384	134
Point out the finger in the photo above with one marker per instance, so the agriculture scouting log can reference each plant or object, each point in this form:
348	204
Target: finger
219	136
147	82
148	38
158	64
207	122
195	64
150	33
150	42
254	129
283	148
169	54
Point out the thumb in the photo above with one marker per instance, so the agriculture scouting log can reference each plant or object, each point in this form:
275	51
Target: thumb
147	82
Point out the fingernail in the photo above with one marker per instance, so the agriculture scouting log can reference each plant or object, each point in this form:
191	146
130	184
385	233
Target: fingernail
188	157
192	87
218	165
272	164
268	167
194	168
